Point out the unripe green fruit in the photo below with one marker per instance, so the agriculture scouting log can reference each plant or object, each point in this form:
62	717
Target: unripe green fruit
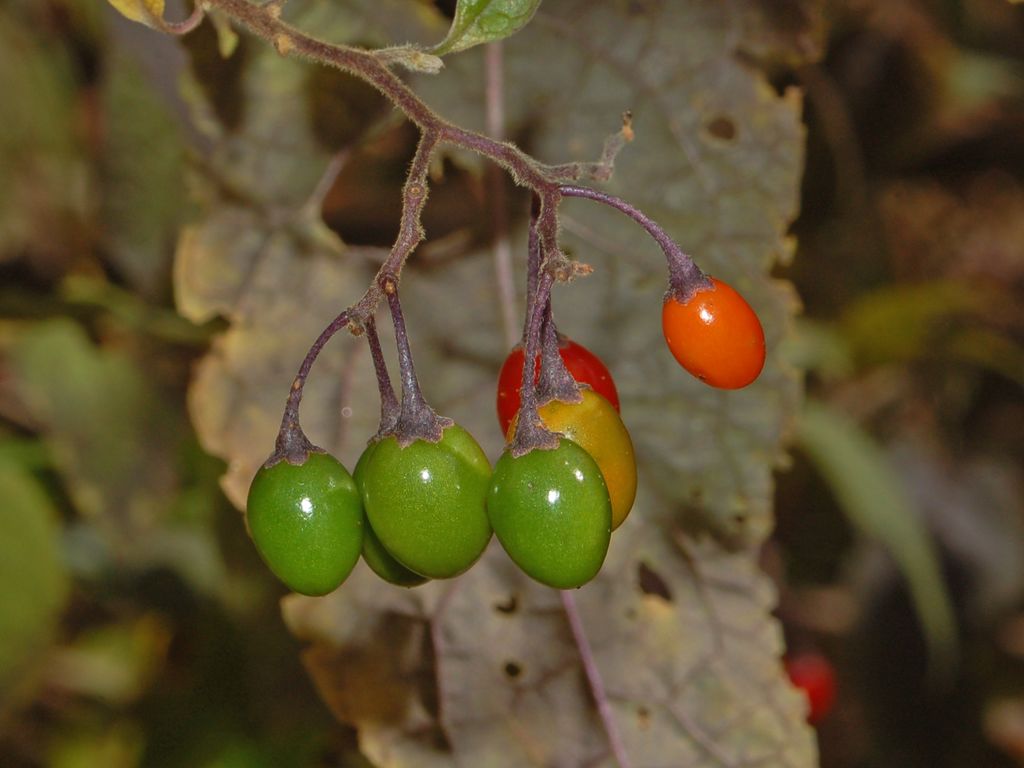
426	502
376	556
551	512
307	522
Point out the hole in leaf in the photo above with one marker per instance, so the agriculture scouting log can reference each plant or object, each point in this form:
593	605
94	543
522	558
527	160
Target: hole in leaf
643	716
446	7
722	127
220	79
513	669
365	204
341	107
509	606
651	582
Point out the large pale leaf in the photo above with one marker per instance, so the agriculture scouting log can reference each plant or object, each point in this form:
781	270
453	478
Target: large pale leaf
716	161
483	670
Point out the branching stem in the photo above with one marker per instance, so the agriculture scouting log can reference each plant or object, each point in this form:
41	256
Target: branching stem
264	20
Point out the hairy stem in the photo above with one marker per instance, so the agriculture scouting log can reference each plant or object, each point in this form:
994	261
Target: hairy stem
530	432
389	408
292	443
414	198
532	255
267	24
416	420
685	277
555	381
176	27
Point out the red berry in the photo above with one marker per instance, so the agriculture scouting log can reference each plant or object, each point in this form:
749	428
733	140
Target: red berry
584	365
716	336
813	674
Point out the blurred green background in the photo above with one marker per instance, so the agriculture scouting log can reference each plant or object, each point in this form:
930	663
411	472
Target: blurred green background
137	626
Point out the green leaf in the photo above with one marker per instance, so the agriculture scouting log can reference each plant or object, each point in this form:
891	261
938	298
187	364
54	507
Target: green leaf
482	21
99	417
818	347
114	442
148	12
115	663
904	322
938	320
33	584
874	499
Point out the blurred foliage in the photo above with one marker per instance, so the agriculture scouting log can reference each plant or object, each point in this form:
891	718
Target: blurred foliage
911	269
137	626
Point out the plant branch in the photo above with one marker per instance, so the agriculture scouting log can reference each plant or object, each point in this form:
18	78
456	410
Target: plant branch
530	432
292	443
555	382
267	24
685	277
176	27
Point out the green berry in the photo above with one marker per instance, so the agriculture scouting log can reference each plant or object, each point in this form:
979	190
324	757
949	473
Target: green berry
426	502
307	522
551	512
375	555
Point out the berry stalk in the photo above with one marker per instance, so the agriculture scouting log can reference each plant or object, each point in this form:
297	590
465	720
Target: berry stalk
416	419
684	276
389	408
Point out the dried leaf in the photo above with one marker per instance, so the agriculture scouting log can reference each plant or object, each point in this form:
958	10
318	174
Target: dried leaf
484	670
688	675
412	58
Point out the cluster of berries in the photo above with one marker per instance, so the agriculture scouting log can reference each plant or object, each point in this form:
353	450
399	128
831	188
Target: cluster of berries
424	509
